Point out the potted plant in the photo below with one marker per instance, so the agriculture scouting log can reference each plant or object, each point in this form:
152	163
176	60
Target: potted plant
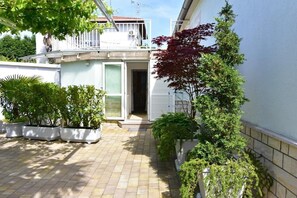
11	94
219	162
175	132
82	114
41	105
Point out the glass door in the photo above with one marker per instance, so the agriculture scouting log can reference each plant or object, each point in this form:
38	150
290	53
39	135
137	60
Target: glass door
113	83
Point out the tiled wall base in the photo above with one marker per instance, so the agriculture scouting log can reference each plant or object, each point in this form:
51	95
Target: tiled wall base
279	155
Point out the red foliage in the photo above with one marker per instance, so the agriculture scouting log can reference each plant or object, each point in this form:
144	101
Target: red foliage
179	62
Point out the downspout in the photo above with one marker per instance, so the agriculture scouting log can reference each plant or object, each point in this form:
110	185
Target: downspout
102	8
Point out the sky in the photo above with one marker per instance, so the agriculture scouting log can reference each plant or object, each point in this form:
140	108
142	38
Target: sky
159	11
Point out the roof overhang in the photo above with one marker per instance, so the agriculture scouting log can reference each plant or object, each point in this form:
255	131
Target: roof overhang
185	14
76	55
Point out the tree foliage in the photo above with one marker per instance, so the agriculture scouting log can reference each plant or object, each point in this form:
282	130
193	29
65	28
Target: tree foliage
220	103
221	147
13	47
178	64
57	17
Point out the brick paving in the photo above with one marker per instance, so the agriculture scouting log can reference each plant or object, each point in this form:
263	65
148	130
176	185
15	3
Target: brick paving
122	164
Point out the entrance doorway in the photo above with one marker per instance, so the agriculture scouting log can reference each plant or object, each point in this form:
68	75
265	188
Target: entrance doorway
139	91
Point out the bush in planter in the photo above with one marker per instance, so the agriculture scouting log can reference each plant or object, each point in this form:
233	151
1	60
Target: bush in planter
220	151
10	98
11	94
84	107
82	114
169	128
41	104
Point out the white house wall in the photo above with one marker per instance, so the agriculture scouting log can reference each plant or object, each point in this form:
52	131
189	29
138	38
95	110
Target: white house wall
269	30
161	97
48	73
82	73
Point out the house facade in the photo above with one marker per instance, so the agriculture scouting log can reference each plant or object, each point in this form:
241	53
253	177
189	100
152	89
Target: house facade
119	62
268	30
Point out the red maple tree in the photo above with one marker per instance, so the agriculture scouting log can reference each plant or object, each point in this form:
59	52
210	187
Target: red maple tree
178	64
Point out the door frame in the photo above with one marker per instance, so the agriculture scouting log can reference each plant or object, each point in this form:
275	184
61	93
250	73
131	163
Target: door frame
123	88
147	68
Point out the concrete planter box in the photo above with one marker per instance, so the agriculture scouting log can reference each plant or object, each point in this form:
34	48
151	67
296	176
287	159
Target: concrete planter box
41	133
80	135
14	129
182	150
2	127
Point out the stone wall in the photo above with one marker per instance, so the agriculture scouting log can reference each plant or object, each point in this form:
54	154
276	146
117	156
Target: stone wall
279	154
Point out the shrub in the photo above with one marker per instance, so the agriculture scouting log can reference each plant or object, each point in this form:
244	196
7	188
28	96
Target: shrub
84	106
40	103
12	94
169	128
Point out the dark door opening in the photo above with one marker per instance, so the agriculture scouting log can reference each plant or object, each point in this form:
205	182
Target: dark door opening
139	91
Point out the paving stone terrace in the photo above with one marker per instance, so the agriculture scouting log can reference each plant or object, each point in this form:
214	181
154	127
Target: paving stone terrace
122	164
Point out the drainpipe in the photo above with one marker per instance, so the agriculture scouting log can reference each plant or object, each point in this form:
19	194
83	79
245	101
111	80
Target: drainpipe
102	8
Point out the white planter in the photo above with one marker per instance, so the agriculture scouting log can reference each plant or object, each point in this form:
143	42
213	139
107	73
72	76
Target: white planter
14	129
2	127
41	133
203	186
181	151
80	135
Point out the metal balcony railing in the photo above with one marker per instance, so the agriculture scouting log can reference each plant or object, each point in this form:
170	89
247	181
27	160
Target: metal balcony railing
131	35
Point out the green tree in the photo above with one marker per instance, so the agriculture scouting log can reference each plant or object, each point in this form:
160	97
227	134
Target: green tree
13	47
220	104
221	147
56	17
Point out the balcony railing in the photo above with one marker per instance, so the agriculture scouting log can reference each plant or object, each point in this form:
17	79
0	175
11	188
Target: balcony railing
133	35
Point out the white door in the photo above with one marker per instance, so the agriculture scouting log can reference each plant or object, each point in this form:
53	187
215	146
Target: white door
114	87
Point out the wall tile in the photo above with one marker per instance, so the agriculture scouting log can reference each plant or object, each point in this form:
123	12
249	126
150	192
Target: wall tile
285	147
290	165
263	149
274	143
255	134
277	158
282	177
264	138
248	130
293	151
290	194
270	195
280	190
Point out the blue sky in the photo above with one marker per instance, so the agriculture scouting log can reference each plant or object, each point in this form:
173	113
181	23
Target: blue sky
160	12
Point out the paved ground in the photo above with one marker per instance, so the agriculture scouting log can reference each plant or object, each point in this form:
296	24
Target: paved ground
121	164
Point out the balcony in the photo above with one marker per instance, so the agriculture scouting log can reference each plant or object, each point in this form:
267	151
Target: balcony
134	34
